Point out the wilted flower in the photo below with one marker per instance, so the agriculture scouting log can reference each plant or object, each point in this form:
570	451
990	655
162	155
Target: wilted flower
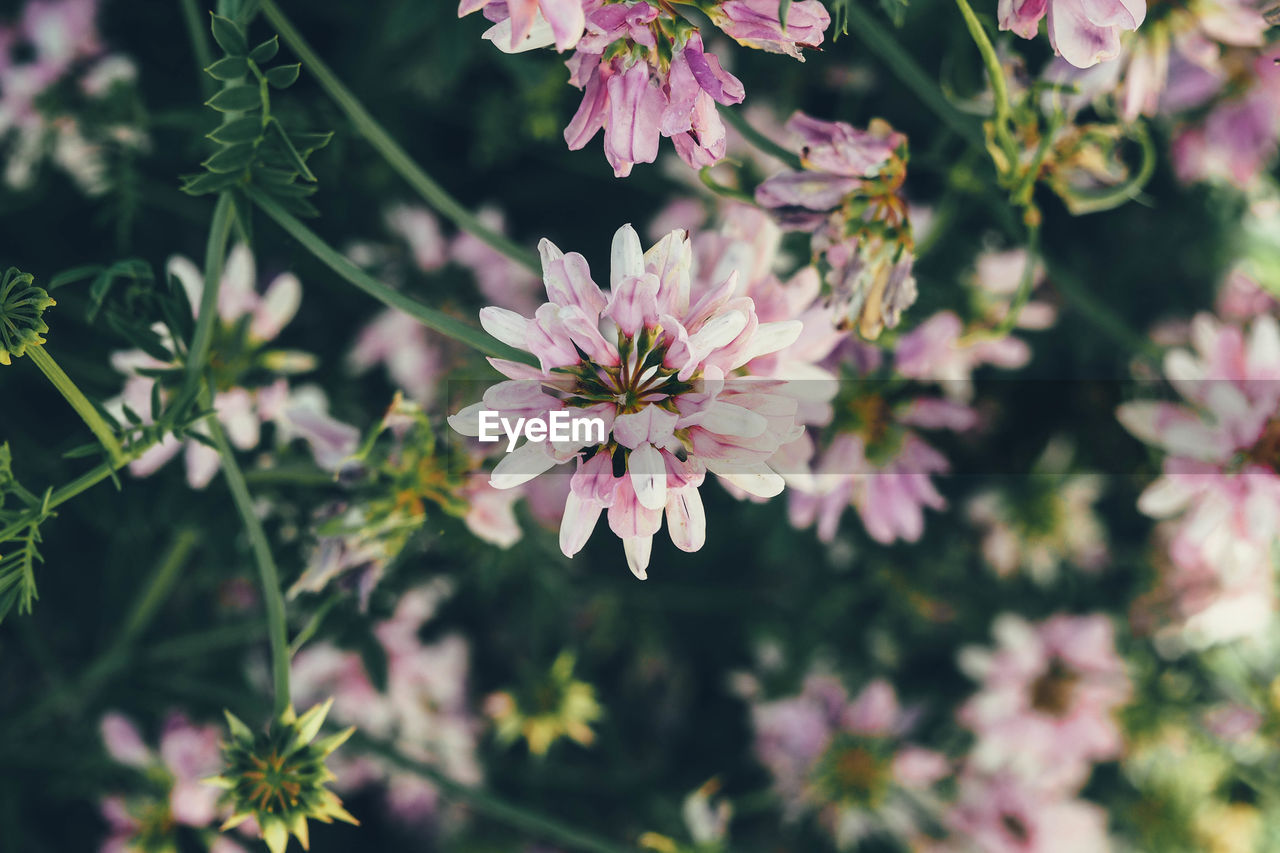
847	759
849	197
655	370
278	777
705	818
558	706
1050	691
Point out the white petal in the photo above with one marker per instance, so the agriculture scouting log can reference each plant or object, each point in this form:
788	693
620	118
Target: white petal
638	549
759	480
718	331
278	306
626	257
539	36
578	522
648	472
686	519
507	326
728	419
772	337
467	421
521	465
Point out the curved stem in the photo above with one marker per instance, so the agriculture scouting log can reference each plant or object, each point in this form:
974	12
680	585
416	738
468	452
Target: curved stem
267	573
102	430
998	86
882	43
390	150
759	140
336	261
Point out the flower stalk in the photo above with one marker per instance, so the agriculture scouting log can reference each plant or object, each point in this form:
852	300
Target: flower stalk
396	157
78	401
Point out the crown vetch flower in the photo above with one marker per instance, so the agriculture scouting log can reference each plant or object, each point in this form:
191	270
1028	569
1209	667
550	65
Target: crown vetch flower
755	23
1083	32
658	369
1050	691
278	777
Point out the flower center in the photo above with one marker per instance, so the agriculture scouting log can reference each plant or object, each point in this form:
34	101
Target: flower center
1052	692
278	782
855	769
1267	450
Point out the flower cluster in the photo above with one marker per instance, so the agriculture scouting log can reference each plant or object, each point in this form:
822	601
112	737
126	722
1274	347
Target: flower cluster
657	368
643	69
422	710
57	92
1219	485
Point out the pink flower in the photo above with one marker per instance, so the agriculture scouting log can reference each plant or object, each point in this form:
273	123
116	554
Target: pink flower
1001	814
755	23
1219	475
1050	690
935	351
654	367
252	319
188	754
1083	32
404	346
499	279
424	709
529	24
846	759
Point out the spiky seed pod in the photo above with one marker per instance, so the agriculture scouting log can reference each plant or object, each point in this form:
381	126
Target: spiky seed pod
278	777
21	307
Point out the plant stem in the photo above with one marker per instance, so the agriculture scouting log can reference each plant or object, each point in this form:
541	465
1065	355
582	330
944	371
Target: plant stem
396	157
198	32
158	588
336	261
998	86
267	573
739	122
73	395
207	314
540	825
881	42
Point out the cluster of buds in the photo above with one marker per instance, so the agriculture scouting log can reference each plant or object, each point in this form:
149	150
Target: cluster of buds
558	706
278	777
643	68
849	197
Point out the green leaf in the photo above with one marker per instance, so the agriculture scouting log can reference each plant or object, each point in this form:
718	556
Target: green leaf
308	142
90	449
245	129
208	182
232	158
269	177
298	206
266	51
298	163
228	68
235	99
284	76
73	275
229	36
784	7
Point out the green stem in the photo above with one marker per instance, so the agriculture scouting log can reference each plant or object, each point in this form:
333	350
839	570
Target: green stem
269	577
999	87
882	43
759	140
336	261
514	816
1079	298
396	157
158	588
198	33
207	314
101	429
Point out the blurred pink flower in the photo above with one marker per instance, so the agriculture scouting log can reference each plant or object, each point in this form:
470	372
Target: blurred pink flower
1002	814
1083	32
755	23
1050	691
846	759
